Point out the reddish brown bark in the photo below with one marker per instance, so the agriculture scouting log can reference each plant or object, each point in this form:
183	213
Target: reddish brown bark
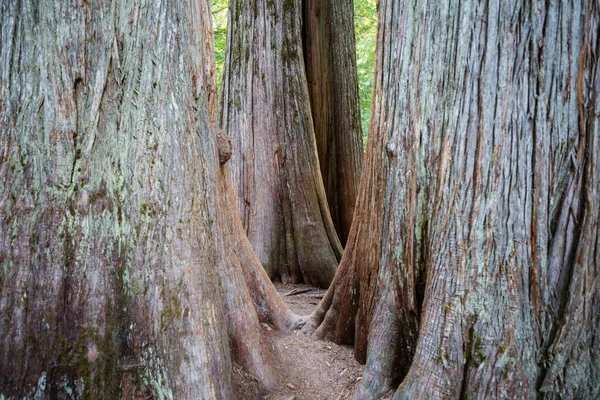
330	59
274	166
343	316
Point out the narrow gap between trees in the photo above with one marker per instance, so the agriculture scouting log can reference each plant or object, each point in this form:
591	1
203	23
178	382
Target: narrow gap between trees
307	368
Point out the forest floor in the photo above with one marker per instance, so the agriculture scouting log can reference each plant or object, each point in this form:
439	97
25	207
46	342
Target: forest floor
307	369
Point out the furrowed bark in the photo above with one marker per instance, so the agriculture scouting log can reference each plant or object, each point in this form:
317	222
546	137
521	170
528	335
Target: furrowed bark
274	167
330	59
115	228
485	135
494	109
268	305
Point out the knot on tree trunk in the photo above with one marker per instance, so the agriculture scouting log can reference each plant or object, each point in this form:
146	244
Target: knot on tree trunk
224	146
390	148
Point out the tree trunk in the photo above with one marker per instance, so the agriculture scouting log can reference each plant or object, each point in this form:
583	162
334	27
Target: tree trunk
274	167
486	131
330	59
512	307
121	257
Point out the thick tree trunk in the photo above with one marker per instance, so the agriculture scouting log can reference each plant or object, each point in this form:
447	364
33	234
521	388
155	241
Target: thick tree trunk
487	129
330	59
274	166
116	232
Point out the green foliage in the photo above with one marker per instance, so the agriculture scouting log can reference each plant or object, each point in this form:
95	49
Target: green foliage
365	28
219	14
365	24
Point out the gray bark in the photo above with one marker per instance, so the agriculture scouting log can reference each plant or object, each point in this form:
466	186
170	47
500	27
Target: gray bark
495	105
115	229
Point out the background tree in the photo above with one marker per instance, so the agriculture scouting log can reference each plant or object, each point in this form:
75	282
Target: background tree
485	129
330	59
274	168
365	29
119	251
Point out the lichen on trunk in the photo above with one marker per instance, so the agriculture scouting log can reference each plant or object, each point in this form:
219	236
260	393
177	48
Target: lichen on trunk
115	222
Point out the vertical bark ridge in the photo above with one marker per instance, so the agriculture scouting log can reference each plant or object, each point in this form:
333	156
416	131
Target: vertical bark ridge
344	314
478	333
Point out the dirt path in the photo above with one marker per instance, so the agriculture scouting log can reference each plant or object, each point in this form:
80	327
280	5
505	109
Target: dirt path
308	369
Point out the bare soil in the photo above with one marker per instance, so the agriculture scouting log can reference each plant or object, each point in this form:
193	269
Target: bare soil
307	369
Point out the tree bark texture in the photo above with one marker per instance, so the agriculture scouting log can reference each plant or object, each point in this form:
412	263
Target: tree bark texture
486	127
330	59
274	167
119	252
344	314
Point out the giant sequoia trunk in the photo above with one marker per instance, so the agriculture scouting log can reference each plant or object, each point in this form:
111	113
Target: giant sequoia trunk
121	258
330	59
485	137
274	167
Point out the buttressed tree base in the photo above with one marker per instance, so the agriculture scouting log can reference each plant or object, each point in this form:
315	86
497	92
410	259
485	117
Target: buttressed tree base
472	265
471	270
